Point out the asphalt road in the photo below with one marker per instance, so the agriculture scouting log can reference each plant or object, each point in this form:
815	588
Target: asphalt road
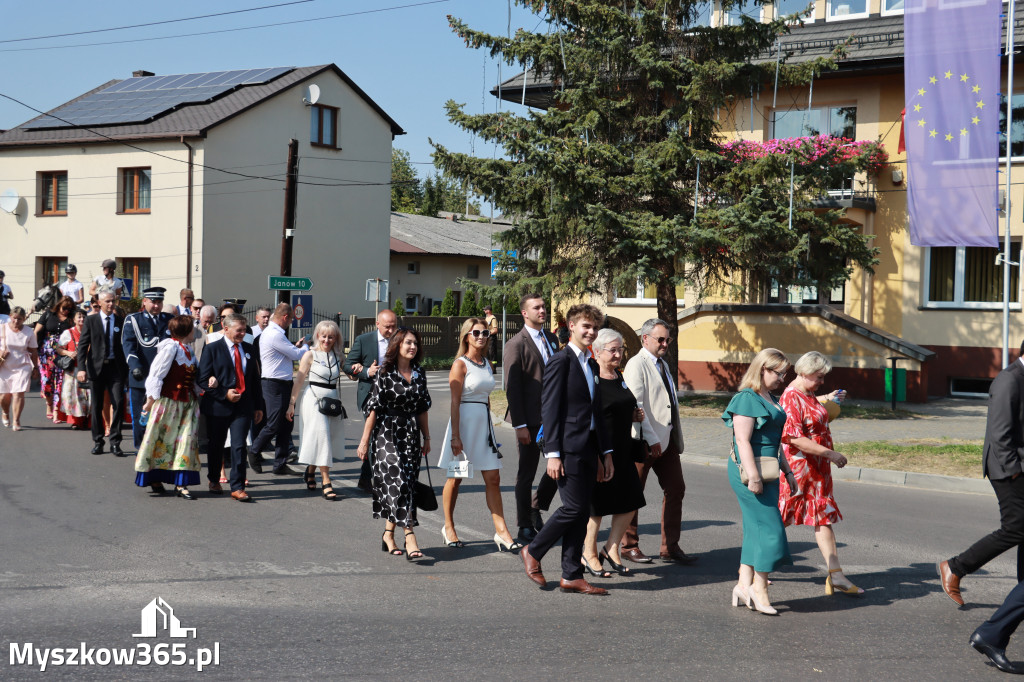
294	587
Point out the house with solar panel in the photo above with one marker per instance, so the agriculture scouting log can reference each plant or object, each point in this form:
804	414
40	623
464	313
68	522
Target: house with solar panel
181	179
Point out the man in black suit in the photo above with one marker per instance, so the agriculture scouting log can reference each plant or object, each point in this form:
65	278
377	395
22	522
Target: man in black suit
1001	464
525	356
101	360
142	332
992	636
230	402
365	358
574	438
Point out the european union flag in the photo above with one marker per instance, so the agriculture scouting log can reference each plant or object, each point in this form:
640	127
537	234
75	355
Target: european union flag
951	84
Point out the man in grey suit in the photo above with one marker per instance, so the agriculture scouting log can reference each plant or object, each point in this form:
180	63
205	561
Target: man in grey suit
1001	463
525	357
364	359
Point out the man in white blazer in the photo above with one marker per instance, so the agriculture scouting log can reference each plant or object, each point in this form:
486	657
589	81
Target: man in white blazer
653	383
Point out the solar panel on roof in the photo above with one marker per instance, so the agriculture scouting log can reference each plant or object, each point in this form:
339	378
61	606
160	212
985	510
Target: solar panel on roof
137	100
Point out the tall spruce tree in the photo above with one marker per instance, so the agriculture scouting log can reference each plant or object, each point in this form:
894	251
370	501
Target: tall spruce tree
603	183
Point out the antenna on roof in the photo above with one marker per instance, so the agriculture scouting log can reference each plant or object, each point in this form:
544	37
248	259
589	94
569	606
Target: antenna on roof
312	95
9	201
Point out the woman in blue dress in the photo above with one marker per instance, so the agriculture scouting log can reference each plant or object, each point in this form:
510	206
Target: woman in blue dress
757	420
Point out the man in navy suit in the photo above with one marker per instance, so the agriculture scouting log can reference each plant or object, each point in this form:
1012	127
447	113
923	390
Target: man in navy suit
142	332
230	402
577	449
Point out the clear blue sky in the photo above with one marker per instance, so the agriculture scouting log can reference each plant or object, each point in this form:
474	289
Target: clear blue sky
407	59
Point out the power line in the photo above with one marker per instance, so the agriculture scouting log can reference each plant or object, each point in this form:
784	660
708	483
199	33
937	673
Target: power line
229	30
156	23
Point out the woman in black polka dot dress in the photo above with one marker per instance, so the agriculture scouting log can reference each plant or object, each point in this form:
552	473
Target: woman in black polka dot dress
396	415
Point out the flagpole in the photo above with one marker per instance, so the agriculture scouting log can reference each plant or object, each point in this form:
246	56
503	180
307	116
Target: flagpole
1009	166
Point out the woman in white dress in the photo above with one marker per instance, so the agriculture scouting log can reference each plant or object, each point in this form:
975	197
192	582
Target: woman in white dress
321	436
470	433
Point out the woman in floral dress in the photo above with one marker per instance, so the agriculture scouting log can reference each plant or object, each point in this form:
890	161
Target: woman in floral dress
169	452
73	406
396	416
49	328
807	444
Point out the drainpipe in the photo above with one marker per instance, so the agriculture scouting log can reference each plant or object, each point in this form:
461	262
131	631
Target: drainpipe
188	241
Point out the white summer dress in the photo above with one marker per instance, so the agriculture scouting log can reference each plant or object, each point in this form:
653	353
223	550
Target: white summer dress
475	427
322	437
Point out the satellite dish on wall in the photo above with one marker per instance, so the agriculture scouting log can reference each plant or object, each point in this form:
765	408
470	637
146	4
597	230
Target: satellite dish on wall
9	201
312	95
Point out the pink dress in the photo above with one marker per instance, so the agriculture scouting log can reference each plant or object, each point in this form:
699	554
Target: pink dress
813	504
16	372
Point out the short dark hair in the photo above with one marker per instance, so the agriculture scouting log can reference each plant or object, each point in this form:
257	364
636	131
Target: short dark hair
592	313
180	326
391	355
530	296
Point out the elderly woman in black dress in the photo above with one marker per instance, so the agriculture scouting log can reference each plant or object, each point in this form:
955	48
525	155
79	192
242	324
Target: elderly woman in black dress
396	415
623	494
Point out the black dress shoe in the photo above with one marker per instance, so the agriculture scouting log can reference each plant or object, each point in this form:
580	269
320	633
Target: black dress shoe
115	448
286	471
255	462
526	535
292	458
536	520
97	449
679	556
996	655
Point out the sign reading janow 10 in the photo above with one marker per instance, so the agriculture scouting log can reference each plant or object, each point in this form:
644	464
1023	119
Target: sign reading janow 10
279	283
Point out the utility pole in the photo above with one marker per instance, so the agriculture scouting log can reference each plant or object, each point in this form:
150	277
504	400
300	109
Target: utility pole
290	197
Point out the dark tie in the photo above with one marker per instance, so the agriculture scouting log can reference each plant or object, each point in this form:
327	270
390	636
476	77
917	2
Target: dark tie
545	353
110	340
664	377
239	374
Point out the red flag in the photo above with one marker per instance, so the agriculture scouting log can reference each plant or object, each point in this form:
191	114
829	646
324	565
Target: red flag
903	143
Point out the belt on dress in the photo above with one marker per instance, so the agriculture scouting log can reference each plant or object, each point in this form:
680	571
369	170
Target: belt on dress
322	385
492	440
394	413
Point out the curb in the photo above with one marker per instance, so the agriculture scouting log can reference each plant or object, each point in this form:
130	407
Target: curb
903	479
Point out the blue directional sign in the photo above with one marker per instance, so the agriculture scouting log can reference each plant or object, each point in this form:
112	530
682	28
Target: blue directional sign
496	259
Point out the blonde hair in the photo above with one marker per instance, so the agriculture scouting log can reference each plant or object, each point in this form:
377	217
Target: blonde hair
328	326
812	362
770	358
467	327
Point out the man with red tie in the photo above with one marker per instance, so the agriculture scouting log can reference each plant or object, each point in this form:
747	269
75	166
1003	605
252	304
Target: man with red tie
230	375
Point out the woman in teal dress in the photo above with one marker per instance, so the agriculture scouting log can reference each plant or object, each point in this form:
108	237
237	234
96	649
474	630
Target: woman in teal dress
757	420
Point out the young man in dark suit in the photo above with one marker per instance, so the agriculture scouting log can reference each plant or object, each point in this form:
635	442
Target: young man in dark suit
364	359
1002	465
576	447
101	361
231	403
525	357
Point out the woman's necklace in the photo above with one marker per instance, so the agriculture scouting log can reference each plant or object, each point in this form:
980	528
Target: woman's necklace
479	363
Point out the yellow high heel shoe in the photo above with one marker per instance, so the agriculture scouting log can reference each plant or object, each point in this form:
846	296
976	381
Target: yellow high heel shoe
831	588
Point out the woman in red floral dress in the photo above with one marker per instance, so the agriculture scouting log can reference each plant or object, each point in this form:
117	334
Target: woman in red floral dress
807	445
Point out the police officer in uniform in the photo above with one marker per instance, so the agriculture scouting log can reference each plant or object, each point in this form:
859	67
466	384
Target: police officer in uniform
142	332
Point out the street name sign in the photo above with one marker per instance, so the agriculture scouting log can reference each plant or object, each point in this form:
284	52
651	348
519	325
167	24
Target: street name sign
278	283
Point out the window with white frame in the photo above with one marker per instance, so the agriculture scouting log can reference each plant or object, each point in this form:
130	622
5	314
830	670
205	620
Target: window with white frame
834	121
969	277
646	294
731	16
1017	134
890	7
839	10
413	268
784	8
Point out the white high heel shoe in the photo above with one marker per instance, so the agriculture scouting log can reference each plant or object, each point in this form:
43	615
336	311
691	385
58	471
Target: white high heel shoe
503	546
740	595
755	605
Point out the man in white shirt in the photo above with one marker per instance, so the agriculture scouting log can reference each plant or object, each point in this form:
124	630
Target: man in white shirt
262	320
653	383
71	287
185	298
277	354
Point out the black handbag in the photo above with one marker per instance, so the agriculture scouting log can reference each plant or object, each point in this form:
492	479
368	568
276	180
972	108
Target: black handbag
330	407
64	362
423	493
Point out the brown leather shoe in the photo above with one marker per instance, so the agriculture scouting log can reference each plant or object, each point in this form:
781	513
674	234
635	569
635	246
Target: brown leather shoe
679	556
241	496
581	586
215	488
636	556
950	582
532	567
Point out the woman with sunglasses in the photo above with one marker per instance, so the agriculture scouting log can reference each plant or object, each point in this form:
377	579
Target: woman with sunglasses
50	326
470	434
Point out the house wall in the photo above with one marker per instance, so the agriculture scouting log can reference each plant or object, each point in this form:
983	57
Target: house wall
436	274
92	230
341	232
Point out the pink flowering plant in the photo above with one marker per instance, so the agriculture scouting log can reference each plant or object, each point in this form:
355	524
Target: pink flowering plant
841	153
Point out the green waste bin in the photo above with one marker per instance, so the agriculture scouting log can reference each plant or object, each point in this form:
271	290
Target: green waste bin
901	384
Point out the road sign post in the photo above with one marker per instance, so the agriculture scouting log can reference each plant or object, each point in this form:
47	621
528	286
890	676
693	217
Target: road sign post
377	290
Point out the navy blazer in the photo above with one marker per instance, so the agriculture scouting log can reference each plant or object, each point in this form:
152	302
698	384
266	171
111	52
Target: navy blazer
217	361
566	407
140	348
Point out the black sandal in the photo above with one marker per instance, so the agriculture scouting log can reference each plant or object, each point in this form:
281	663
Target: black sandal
597	574
618	568
384	545
412	555
309	476
329	493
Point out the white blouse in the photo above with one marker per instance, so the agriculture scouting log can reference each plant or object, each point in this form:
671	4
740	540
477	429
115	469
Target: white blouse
168	352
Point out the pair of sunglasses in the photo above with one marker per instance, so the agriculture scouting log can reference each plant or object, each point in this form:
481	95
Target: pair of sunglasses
480	332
